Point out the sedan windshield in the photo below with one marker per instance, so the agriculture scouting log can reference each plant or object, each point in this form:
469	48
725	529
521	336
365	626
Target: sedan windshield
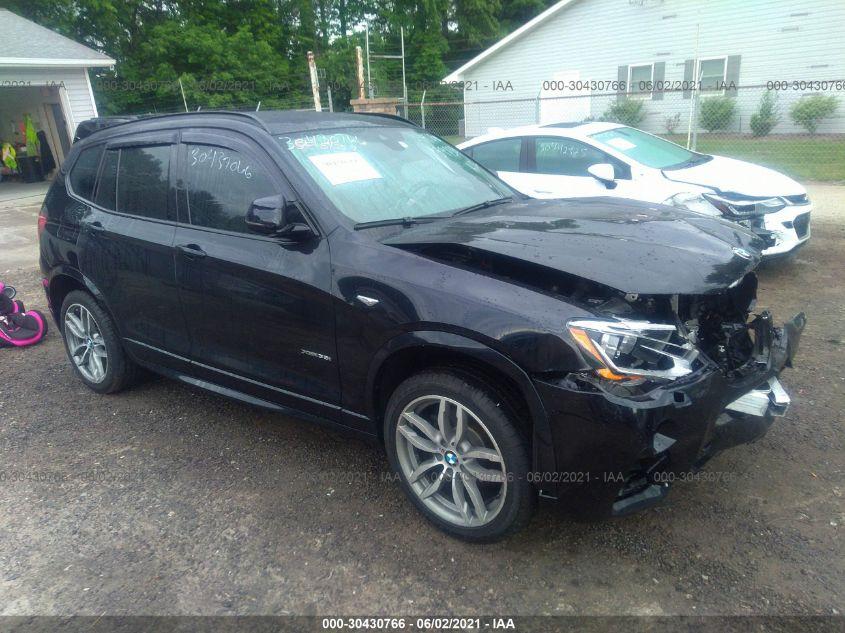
382	173
649	150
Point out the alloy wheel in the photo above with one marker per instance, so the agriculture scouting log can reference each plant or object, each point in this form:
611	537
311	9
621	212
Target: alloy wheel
451	461
86	344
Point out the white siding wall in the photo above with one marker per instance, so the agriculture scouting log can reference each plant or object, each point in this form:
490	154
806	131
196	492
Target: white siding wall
778	40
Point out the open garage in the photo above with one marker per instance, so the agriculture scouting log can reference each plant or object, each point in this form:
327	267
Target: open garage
45	92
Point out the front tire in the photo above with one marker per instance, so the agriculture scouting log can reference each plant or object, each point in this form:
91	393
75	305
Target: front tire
459	456
93	345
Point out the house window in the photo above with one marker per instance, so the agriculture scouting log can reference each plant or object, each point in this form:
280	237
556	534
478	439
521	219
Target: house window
640	78
713	72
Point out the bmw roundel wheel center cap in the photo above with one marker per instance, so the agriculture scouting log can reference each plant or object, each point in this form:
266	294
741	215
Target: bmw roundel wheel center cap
451	458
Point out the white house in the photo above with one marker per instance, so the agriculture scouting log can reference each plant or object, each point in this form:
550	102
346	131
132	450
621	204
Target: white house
579	56
45	75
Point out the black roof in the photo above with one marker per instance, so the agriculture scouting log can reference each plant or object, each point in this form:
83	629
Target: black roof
272	121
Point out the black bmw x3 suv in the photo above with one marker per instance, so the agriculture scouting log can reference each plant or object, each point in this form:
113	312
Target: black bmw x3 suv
357	270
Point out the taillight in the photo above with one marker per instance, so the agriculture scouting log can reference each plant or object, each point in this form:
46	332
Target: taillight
42	221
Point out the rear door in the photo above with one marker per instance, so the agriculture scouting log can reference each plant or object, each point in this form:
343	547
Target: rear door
130	256
259	309
505	157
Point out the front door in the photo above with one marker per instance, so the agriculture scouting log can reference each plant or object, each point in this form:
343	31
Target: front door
259	309
557	168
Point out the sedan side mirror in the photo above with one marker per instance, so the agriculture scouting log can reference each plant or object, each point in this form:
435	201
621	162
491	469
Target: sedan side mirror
604	173
266	215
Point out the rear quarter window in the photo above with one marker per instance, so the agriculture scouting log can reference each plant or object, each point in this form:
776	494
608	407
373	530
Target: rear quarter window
83	174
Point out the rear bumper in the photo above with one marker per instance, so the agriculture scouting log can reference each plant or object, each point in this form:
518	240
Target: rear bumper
617	455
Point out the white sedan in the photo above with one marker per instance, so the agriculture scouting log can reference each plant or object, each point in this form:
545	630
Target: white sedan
565	160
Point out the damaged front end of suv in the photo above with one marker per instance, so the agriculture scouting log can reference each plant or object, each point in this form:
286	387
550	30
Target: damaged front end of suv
674	362
676	379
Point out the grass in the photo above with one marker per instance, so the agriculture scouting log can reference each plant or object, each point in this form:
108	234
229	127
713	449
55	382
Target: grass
819	158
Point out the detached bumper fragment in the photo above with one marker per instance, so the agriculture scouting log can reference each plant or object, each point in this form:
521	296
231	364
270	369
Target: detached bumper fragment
769	398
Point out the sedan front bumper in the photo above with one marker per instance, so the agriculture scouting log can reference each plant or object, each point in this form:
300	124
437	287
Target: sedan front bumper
616	455
789	227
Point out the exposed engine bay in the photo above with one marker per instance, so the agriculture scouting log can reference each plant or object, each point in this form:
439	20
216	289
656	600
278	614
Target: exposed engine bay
718	324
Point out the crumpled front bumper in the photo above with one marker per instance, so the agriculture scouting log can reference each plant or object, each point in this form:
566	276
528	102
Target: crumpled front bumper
615	455
783	231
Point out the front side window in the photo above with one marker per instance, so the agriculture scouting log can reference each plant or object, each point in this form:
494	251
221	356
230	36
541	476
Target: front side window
221	185
565	157
639	80
500	155
713	74
143	181
84	172
384	173
644	148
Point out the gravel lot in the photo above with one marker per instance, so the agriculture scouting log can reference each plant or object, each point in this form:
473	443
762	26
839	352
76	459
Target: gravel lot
168	500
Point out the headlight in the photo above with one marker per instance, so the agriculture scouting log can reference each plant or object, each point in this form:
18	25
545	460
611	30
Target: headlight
745	208
620	350
693	202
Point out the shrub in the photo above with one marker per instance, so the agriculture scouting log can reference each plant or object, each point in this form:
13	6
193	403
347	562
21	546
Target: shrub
627	112
809	111
672	122
766	116
716	113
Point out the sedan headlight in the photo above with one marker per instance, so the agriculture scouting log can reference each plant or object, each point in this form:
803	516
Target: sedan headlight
745	208
620	350
693	202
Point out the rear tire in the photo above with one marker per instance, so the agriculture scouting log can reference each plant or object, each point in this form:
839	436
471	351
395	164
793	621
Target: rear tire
93	345
459	456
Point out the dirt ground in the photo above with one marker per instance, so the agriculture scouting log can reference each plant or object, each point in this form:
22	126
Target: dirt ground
169	500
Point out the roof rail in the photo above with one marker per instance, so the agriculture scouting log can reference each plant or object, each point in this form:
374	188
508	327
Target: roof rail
385	115
89	126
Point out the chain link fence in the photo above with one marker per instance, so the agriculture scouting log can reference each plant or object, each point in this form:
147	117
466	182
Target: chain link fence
795	127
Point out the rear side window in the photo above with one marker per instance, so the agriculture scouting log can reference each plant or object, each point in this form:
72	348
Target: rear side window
107	186
500	155
221	185
143	181
83	175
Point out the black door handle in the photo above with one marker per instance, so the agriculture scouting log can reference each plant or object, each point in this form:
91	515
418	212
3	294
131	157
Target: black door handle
96	227
191	250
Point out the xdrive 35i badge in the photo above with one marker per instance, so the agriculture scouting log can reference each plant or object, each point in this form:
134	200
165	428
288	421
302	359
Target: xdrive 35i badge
308	352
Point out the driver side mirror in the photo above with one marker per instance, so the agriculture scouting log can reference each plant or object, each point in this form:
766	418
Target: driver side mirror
604	173
274	216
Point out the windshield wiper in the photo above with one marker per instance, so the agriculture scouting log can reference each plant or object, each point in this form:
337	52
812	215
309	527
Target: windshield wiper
482	205
695	160
392	222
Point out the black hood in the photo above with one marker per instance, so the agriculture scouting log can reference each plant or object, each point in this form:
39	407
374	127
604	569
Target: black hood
631	246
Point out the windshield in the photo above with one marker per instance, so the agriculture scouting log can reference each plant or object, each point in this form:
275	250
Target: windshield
644	148
382	173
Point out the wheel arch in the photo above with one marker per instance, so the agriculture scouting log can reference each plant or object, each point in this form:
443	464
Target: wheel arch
413	352
65	280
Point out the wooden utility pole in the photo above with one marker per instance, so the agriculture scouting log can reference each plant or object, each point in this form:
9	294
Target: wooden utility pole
359	65
315	82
